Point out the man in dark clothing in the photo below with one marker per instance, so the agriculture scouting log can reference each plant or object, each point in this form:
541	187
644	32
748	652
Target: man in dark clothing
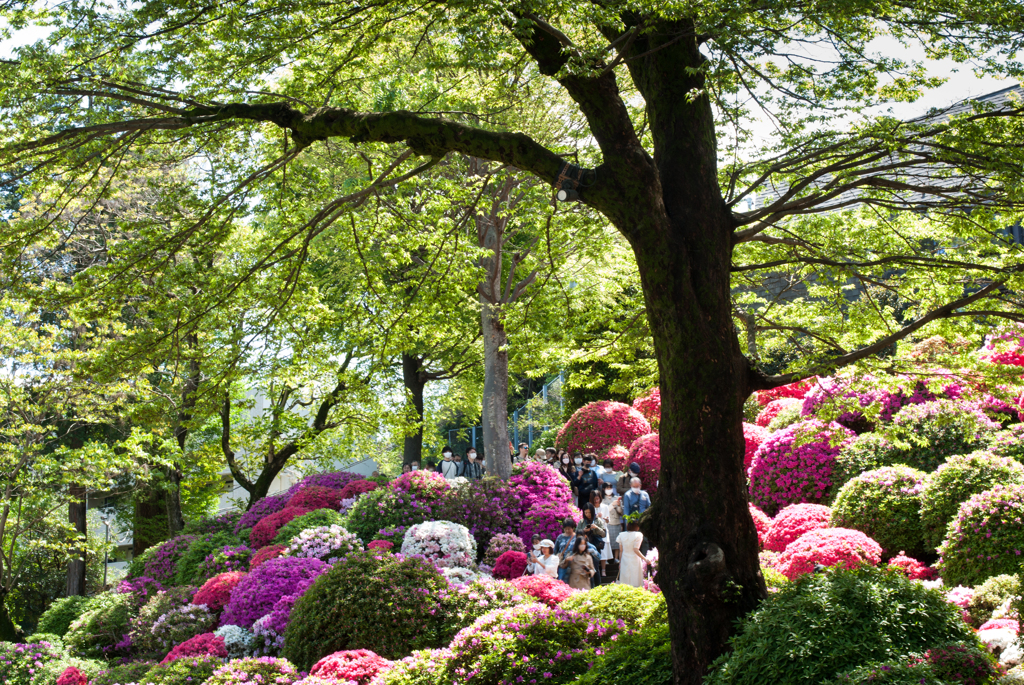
622	485
472	468
587	481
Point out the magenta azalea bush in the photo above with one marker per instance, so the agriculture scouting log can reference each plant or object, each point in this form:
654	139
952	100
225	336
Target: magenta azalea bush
260	510
544	588
986	538
315	497
797	390
794	521
216	592
255	671
546	520
162	561
501	543
753	436
649	405
487	507
358	487
334	480
509	565
206	644
538	483
599	426
794	465
443	543
828	547
383	545
357	666
72	676
227	558
761	522
646	451
256	594
912	568
265	554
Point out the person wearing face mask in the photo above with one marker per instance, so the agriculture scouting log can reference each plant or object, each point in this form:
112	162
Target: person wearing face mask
580	564
414	466
472	468
636	501
601	509
586	481
622	484
550	456
565	467
611	507
542	559
448	468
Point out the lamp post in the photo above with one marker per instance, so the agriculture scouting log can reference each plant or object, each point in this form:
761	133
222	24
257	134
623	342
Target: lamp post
105	520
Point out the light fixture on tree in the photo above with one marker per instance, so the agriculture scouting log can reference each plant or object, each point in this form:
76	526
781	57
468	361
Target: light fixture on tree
570	179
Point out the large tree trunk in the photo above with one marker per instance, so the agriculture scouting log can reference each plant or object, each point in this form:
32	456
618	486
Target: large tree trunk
76	517
495	401
149	521
412	376
8	631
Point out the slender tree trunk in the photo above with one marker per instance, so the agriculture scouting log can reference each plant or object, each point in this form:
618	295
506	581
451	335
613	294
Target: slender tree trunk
412	376
495	401
76	517
175	518
8	631
149	521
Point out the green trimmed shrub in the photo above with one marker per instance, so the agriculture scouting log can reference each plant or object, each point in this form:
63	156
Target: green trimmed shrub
613	601
370	601
866	452
55	640
786	417
464	604
314	519
773	579
190	670
919	673
1009	442
885	505
103	625
825	624
144	642
954	482
640	657
48	673
257	670
991	595
188	572
131	672
925	435
59	616
985	539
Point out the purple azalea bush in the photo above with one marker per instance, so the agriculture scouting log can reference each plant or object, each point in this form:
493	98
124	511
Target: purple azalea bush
227	558
256	594
162	564
487	507
261	509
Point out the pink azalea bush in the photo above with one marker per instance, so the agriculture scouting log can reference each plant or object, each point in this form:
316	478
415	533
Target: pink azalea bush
383	545
646	451
1000	623
257	592
509	565
265	554
255	671
619	454
501	543
1004	347
753	436
326	543
426	485
986	538
546	520
487	507
351	665
216	592
72	676
794	521
761	522
206	644
772	409
334	480
445	544
649	405
828	547
315	497
797	390
912	568
358	487
794	465
544	588
538	483
599	426
263	533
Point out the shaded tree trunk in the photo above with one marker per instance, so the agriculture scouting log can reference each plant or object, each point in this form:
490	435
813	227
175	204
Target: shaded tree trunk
76	517
149	521
495	401
8	631
412	377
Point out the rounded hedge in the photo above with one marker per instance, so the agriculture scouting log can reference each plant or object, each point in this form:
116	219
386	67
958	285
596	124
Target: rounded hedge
187	671
991	595
189	563
464	604
371	600
129	672
258	592
102	626
828	547
884	504
866	452
254	670
59	616
144	640
956	481
985	539
599	426
794	521
314	519
825	624
786	417
615	602
263	533
925	435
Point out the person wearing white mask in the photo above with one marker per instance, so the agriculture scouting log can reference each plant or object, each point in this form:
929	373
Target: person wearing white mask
415	466
448	468
565	467
472	469
636	501
544	560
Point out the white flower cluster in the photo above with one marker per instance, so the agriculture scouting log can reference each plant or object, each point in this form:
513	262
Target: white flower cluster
237	640
458	575
326	543
446	544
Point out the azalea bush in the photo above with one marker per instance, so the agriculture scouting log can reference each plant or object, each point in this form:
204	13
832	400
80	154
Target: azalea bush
773	408
927	434
122	674
646	451
206	644
327	543
188	565
268	630
753	436
333	480
161	562
464	604
178	625
598	426
828	547
912	568
955	481
143	640
314	497
649	404
18	662
792	522
61	613
795	465
260	509
102	627
487	507
544	588
539	484
444	543
313	519
885	505
209	525
546	520
266	554
791	391
991	595
263	533
358	487
237	640
257	592
224	560
501	543
254	670
614	602
509	565
354	665
412	498
986	538
72	676
761	522
185	671
215	593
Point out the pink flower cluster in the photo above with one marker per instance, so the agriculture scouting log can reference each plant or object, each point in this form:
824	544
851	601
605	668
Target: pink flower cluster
546	520
262	508
544	588
646	451
266	554
316	497
650	406
797	390
353	665
256	594
773	408
327	543
912	568
1000	623
263	532
1005	347
753	436
72	676
960	596
501	543
206	644
792	522
269	629
445	544
426	485
599	426
358	487
509	565
795	465
383	545
828	547
216	592
537	483
761	522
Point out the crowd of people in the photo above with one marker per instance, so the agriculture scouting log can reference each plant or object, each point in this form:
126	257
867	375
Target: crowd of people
607	535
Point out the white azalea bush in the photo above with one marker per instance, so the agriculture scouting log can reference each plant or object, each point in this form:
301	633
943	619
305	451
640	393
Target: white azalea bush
237	640
327	543
445	544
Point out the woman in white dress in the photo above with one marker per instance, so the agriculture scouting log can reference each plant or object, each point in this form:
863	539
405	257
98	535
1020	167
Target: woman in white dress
601	505
547	561
632	562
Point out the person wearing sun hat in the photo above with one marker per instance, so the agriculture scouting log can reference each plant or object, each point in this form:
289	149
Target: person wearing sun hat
547	560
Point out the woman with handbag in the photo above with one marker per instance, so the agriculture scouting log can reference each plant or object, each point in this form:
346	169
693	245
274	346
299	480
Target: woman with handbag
590	527
603	511
580	564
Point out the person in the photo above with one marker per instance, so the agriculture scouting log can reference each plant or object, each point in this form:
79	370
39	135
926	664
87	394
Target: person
636	501
540	456
633	560
597	501
524	452
545	561
414	466
614	513
580	565
406	468
610	475
551	456
622	485
457	459
472	469
533	553
563	542
566	469
590	527
448	468
586	481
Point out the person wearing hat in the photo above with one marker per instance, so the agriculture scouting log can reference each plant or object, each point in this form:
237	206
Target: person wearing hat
544	562
622	485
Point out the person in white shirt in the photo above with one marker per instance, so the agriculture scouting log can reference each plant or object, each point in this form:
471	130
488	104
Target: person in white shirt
542	560
448	468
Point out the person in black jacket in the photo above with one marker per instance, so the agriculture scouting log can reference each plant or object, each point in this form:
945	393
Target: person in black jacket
472	468
586	481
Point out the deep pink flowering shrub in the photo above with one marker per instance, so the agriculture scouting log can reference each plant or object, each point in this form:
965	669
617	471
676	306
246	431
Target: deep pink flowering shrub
761	522
646	451
426	485
509	565
355	665
255	671
72	676
265	554
546	520
598	426
544	588
998	623
538	483
649	405
206	644
797	390
986	538
499	544
487	507
885	505
1004	347
383	545
619	454
162	561
794	521
795	465
141	589
912	568
263	533
262	508
335	480
316	497
258	591
358	487
753	436
772	409
828	547
216	592
385	513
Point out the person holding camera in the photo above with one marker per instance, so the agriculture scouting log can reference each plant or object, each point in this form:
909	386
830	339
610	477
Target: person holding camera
580	564
542	560
590	528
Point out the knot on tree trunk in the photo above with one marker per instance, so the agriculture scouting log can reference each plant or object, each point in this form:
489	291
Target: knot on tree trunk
706	567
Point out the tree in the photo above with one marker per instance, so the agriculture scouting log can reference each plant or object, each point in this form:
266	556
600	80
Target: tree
665	92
